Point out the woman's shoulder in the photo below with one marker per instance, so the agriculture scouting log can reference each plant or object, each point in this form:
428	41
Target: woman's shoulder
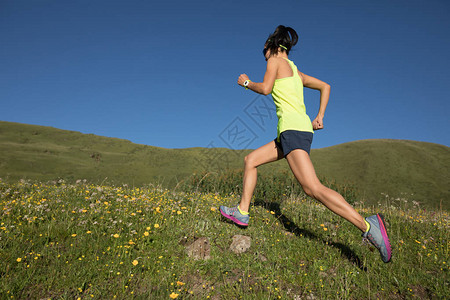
277	59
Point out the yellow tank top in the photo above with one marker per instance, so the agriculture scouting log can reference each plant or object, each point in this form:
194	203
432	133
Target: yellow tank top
287	93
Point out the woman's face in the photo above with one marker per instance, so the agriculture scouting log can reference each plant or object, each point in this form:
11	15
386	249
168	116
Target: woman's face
266	52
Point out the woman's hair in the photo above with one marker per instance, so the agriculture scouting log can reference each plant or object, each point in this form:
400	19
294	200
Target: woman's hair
283	37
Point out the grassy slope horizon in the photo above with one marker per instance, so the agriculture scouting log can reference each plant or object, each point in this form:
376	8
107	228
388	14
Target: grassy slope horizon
411	170
86	241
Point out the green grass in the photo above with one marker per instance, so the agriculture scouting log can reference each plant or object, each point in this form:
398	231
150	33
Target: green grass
410	170
269	187
401	169
67	241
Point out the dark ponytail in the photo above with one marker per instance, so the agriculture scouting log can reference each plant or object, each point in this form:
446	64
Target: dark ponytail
284	38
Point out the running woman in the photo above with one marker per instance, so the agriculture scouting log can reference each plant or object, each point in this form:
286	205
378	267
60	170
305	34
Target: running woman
294	137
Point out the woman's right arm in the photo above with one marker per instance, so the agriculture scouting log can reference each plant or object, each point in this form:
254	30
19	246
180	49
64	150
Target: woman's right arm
324	88
266	86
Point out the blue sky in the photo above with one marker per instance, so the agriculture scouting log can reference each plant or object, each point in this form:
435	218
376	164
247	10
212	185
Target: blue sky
164	73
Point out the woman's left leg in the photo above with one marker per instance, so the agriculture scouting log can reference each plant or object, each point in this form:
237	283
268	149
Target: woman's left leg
303	169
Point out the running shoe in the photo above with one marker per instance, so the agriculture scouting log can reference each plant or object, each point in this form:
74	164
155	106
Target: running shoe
233	214
377	235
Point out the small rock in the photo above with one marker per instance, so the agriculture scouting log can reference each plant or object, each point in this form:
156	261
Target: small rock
199	249
240	243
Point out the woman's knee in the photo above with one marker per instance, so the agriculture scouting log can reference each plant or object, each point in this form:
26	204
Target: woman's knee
313	190
250	161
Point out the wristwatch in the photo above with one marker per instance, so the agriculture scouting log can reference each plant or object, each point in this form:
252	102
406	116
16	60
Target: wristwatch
246	84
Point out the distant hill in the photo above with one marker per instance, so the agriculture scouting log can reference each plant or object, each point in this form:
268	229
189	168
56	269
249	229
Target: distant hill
413	170
399	168
46	153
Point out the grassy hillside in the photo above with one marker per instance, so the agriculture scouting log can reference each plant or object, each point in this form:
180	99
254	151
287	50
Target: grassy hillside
45	153
84	241
415	171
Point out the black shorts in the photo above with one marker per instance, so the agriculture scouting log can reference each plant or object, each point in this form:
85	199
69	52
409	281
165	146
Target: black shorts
294	139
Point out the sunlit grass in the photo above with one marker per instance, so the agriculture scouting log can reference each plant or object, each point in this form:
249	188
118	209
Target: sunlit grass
71	241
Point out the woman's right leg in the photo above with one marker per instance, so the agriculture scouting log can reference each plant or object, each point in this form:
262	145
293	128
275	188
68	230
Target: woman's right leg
303	169
264	154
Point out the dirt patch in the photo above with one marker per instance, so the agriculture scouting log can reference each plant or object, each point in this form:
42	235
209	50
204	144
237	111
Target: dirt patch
421	292
195	284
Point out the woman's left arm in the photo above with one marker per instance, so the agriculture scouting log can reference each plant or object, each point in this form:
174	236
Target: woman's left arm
266	86
324	88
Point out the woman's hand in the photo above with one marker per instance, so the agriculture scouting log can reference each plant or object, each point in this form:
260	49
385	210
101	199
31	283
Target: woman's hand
317	123
242	79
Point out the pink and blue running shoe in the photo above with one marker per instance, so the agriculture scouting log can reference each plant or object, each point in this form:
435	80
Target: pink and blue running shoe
377	235
233	214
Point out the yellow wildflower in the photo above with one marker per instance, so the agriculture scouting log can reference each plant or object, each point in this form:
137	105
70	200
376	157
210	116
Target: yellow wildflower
156	225
174	296
135	262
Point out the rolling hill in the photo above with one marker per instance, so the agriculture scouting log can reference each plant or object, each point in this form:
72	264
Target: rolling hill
402	169
415	171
